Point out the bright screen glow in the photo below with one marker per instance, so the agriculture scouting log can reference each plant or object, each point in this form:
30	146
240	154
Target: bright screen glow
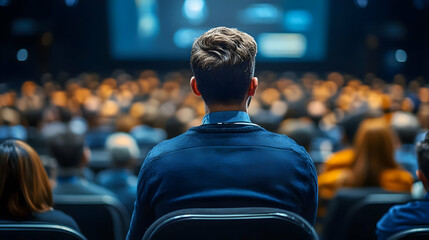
285	30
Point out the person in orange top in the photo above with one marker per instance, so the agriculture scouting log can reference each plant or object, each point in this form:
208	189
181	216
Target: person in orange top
373	164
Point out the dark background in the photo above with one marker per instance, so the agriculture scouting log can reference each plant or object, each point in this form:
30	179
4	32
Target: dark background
76	39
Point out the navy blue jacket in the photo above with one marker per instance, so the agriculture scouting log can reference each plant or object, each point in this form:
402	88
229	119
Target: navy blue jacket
403	217
224	165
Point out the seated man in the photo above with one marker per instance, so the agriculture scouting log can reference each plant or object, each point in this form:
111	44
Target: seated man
406	127
413	214
72	156
124	152
227	161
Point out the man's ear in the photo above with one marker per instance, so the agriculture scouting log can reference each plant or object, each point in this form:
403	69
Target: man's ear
253	86
422	178
194	87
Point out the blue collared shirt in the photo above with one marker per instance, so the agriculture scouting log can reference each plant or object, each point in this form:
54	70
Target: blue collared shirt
226	117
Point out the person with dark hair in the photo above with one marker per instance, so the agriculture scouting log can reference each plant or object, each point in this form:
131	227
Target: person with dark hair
344	157
228	161
25	192
412	214
72	156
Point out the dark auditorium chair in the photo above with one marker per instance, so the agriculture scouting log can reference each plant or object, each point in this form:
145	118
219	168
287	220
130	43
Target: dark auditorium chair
98	217
37	231
418	233
354	213
231	223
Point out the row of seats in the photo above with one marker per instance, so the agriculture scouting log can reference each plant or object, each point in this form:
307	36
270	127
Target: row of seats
221	223
98	217
353	215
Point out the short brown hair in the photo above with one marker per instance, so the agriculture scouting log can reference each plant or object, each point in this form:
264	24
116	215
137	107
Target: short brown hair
223	63
24	185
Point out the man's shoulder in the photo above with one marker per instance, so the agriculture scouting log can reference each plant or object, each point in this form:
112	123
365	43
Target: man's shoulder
409	214
206	137
82	187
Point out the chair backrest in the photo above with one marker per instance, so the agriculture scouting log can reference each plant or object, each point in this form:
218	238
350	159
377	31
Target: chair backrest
361	220
36	231
230	223
98	217
418	233
354	213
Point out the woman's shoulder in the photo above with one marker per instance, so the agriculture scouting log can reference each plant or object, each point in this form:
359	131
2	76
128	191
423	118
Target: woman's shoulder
330	181
56	217
396	180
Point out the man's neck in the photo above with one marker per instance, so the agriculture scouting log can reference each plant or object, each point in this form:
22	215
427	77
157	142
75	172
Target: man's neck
222	108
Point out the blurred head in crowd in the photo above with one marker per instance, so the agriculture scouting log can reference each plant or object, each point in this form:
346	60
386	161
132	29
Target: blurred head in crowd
374	151
24	185
423	161
223	64
69	150
123	150
51	168
350	126
300	130
9	116
406	127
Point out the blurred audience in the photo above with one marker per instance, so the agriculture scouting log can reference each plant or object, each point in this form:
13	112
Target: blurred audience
73	156
373	164
322	113
406	127
124	152
25	192
345	156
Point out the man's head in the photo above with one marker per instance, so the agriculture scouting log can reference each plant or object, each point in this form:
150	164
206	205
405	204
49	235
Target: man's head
423	161
223	64
69	150
406	126
123	150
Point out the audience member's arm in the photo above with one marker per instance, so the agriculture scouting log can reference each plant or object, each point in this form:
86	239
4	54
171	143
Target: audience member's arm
385	226
143	215
310	209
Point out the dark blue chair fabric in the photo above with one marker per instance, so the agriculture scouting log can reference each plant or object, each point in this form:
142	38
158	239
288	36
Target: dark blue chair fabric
98	216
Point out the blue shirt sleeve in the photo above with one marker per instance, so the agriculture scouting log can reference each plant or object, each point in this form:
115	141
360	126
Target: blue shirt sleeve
143	214
312	193
382	230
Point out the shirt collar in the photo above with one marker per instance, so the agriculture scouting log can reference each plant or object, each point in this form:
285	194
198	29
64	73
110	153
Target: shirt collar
226	117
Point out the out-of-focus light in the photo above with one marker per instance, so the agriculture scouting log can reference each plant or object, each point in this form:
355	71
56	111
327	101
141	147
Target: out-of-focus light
401	55
148	22
184	37
22	55
282	45
298	20
71	3
361	3
262	13
24	27
195	10
4	3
